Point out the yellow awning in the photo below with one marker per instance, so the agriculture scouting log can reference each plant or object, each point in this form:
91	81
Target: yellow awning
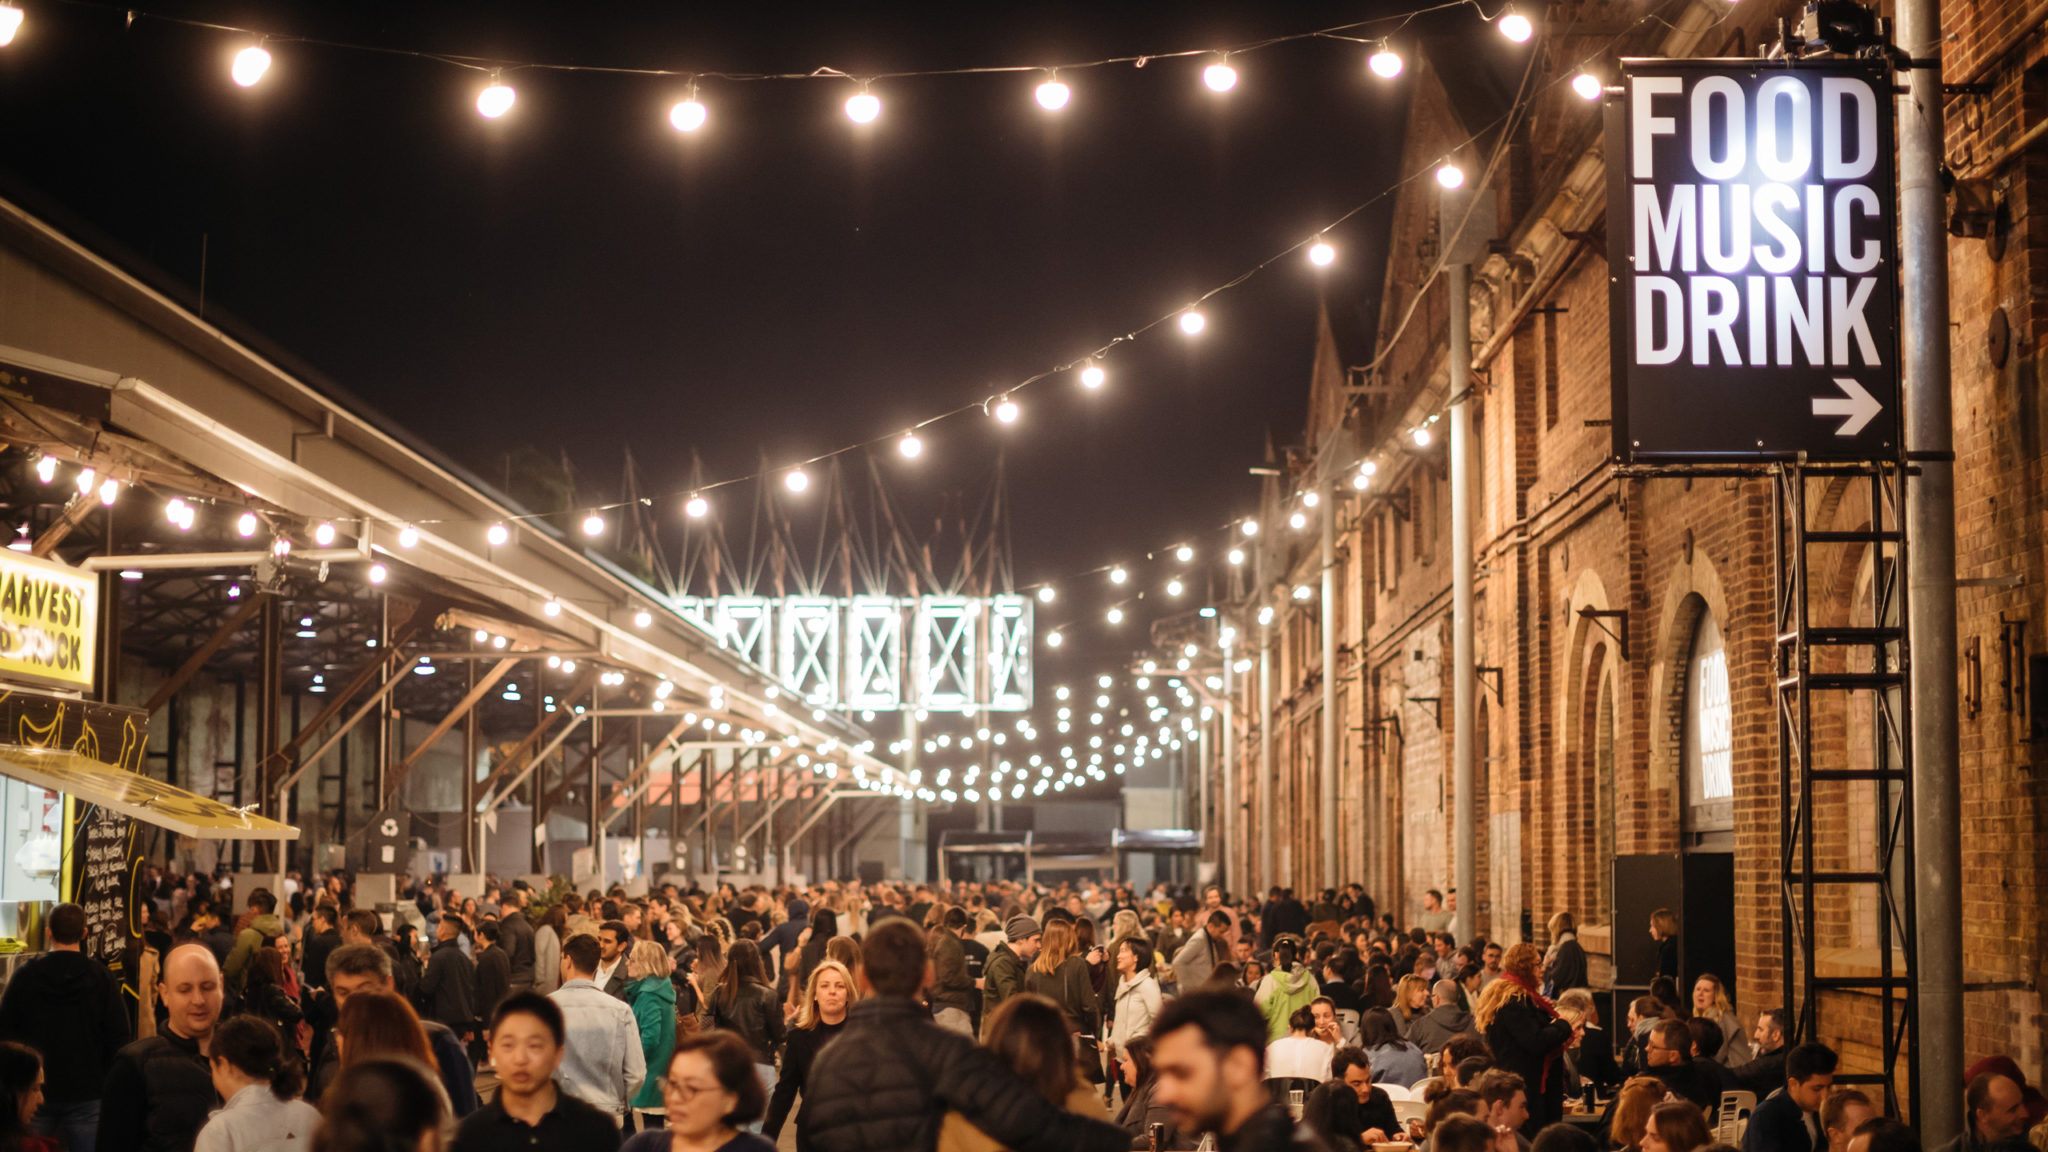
138	797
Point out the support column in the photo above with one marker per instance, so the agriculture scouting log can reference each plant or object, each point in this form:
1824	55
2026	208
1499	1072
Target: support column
1328	754
472	832
1937	1047
1464	679
1226	812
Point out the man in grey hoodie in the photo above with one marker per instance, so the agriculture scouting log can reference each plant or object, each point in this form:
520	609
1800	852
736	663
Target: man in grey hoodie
1444	1021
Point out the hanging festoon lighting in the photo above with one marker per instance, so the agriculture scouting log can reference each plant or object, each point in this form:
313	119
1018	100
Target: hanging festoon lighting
696	507
1249	527
1384	62
689	113
323	534
1092	376
910	446
1421	437
1586	85
1184	553
250	64
1192	322
1450	175
496	98
1052	95
245	525
1516	26
408	537
46	469
1006	410
10	23
110	491
1220	76
796	479
1046	594
1117	575
593	525
497	535
863	107
1321	253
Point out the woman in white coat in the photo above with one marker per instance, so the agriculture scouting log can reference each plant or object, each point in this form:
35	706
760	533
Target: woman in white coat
1137	999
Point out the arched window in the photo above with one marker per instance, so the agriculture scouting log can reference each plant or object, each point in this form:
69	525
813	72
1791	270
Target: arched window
1709	747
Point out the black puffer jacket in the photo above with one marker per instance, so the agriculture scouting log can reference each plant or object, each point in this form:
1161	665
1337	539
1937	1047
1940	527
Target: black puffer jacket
893	1074
755	1014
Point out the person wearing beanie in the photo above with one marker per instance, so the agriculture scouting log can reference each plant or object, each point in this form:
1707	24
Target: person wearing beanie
1003	975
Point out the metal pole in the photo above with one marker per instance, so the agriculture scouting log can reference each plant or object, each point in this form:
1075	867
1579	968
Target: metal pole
1226	812
1329	753
1260	874
1464	725
1937	1047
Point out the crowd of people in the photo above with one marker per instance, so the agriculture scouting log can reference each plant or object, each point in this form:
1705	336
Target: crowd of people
844	1017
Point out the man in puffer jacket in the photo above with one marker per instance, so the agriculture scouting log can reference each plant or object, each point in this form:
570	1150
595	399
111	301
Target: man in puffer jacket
263	923
893	1074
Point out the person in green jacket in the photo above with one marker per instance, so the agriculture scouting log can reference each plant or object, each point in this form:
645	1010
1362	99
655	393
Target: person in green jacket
1290	985
652	996
263	924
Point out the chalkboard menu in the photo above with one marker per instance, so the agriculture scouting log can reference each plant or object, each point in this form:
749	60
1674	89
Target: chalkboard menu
105	876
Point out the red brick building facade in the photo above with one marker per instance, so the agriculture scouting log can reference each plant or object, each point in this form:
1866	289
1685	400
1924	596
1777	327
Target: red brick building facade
1625	625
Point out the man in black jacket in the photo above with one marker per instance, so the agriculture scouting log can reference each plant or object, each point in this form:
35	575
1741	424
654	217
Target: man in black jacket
162	1085
1790	1120
322	940
515	935
66	1006
893	1074
448	988
1349	1111
1208	1063
1765	1074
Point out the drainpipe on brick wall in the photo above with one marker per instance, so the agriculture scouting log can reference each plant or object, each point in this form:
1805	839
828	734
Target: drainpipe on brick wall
1464	677
1331	762
1931	581
1260	875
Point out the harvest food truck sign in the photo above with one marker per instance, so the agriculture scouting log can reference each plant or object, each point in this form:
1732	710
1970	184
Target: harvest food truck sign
1751	232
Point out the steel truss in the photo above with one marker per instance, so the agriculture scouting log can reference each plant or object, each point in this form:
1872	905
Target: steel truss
1868	662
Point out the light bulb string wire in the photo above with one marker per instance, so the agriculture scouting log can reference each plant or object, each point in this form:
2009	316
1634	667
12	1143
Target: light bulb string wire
489	64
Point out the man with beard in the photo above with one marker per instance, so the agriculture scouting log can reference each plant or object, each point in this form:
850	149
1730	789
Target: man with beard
1208	1060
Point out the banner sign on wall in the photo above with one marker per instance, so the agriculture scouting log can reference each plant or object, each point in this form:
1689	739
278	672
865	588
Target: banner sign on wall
49	615
1751	230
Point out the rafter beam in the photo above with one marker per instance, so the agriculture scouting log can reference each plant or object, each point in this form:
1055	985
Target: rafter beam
203	653
396	778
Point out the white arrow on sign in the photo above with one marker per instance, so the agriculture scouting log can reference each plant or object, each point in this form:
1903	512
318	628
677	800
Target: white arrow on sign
1856	404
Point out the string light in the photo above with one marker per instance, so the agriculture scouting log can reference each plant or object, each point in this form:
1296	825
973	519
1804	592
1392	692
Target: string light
1250	528
379	573
1006	410
87	478
1052	639
1298	521
910	446
180	514
593	525
46	469
1321	254
1092	376
689	114
245	525
1361	481
1219	77
250	65
496	99
1310	499
408	537
10	23
1302	592
696	507
1116	615
863	107
1184	554
1586	85
1192	322
1450	175
642	618
497	535
1046	594
796	480
1053	95
1421	437
1385	63
110	491
1516	27
1174	587
1236	557
1117	575
323	534
552	608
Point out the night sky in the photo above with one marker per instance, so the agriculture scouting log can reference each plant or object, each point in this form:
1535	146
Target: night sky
579	277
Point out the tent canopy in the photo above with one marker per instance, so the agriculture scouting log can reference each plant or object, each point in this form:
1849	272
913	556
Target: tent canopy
138	797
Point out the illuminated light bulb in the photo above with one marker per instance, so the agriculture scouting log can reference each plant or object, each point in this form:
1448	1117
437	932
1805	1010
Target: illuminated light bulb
1192	322
1302	592
1236	556
1450	176
1361	481
696	507
1421	437
1385	63
379	573
1586	85
1052	95
642	618
1516	27
796	480
688	115
1250	528
1046	594
1093	377
245	524
910	446
10	23
1006	410
1174	587
250	65
1116	615
1370	467
1052	640
46	469
1298	521
87	477
1321	254
323	534
552	608
1310	499
174	510
1183	553
1118	575
110	491
408	537
1219	77
593	525
497	535
863	107
495	100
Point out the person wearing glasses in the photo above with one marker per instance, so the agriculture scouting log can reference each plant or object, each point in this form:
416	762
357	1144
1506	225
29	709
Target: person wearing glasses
530	1112
711	1091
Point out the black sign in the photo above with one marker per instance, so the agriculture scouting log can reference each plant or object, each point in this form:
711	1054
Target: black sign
1751	222
105	879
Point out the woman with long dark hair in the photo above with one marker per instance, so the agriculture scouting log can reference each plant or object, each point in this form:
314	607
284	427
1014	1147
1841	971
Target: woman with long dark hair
1060	974
1028	1033
380	1105
1139	1113
21	1094
258	1074
746	1004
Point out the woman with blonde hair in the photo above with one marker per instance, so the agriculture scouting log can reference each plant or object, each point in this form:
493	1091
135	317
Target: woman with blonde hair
652	997
1710	1002
1060	975
1632	1107
1411	1001
1527	1035
1676	1126
830	991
